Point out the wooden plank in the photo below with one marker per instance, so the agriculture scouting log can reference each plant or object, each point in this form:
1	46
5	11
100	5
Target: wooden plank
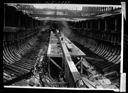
75	50
63	16
95	59
88	83
49	49
85	63
81	69
53	48
55	51
76	75
55	63
23	69
58	83
78	62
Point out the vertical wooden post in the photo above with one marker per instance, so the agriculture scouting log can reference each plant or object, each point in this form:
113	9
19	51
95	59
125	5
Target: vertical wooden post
81	71
91	25
82	25
105	25
49	66
123	76
63	65
115	24
99	25
87	25
4	15
19	22
32	23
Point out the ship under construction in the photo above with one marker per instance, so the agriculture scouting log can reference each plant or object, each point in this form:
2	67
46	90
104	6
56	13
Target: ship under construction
63	48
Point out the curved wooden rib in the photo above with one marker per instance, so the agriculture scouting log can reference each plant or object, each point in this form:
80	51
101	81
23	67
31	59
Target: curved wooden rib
11	54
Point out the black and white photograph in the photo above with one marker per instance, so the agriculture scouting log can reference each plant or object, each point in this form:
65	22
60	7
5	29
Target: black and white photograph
64	46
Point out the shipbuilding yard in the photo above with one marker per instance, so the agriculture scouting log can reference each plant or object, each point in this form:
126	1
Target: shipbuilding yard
63	46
